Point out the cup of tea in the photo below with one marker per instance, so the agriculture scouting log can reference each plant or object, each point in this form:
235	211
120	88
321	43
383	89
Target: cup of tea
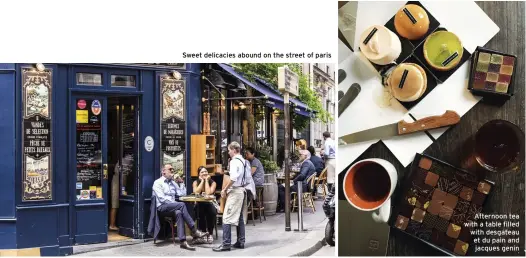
369	185
497	146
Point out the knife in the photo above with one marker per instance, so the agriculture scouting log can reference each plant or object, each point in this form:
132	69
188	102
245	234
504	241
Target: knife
401	128
341	75
349	96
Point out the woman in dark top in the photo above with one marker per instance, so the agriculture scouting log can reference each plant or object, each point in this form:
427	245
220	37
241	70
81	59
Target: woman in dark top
207	212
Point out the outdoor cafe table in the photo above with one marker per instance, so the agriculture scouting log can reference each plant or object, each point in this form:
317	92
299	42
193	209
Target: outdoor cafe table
508	195
196	199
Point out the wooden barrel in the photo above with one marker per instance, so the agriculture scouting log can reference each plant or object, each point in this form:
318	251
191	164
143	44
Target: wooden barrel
270	194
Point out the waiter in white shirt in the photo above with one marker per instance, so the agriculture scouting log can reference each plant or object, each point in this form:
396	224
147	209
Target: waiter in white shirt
235	191
330	156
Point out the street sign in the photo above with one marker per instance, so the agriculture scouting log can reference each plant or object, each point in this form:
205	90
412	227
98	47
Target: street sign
288	81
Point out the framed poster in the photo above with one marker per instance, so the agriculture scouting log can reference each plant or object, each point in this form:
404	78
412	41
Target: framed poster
173	123
36	134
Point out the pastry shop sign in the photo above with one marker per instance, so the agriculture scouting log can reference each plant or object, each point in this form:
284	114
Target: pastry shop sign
288	81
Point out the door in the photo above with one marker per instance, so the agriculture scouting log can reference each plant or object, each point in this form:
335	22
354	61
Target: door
88	168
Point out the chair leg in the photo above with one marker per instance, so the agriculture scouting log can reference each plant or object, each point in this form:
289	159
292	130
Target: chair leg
252	209
173	234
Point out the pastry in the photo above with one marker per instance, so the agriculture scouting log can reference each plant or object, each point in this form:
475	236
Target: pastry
443	50
411	22
408	82
380	45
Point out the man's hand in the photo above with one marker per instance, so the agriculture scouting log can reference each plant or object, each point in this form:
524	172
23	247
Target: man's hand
223	193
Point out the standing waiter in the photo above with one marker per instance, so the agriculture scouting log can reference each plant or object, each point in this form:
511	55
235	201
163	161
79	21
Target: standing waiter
330	155
236	193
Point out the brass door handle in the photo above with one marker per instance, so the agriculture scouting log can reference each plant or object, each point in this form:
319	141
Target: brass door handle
105	171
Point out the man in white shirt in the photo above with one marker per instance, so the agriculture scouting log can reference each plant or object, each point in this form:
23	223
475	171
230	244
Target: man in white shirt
330	158
165	192
240	181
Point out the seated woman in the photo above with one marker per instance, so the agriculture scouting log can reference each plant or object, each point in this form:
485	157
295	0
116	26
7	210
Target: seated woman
207	211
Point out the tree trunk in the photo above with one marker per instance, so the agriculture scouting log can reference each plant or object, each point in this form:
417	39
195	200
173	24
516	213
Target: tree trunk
250	117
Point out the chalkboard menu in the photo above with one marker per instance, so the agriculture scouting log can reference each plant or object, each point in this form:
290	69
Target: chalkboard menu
36	134
173	136
89	149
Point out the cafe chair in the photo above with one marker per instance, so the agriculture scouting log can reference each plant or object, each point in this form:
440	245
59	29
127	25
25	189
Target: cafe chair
250	211
165	218
321	181
308	200
259	202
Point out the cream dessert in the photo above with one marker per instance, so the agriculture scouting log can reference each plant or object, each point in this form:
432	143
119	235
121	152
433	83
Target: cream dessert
408	82
380	45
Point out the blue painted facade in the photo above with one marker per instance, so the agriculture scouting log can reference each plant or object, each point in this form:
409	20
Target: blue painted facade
56	225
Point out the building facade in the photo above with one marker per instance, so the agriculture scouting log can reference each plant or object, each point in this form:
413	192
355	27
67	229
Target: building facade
82	139
321	79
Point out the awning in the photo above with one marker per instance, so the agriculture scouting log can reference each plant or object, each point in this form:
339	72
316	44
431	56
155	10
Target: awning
274	98
265	91
299	107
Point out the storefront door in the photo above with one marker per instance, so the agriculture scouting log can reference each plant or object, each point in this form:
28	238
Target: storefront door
88	168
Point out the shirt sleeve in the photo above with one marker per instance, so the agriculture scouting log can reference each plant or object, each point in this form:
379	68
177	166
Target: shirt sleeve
234	169
158	190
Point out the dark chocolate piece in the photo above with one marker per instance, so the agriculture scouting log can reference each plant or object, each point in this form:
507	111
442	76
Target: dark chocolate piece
425	163
453	230
421	190
484	187
401	222
467	179
454	186
450	201
437	237
443	184
413	227
418	215
445	212
430	220
461	248
441	224
432	179
402	81
419	176
465	235
458	217
449	243
466	193
406	210
462	206
424	233
371	34
478	198
439	196
474	209
434	207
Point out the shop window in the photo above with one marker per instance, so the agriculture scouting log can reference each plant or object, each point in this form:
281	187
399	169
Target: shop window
123	81
90	79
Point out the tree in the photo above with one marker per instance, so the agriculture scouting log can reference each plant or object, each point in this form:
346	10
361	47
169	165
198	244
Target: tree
269	73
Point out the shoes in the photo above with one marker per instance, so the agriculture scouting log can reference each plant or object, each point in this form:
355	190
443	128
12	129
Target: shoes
221	248
238	245
185	245
198	234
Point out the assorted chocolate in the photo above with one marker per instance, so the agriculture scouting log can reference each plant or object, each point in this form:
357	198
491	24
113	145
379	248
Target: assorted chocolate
437	203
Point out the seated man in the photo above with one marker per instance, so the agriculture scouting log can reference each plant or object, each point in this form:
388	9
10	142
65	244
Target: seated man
164	190
317	161
307	169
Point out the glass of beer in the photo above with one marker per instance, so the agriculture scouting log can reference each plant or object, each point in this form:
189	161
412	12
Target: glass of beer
498	146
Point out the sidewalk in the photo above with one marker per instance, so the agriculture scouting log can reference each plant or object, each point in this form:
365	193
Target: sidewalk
264	239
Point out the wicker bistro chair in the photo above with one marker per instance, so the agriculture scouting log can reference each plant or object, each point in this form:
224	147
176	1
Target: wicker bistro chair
322	181
308	200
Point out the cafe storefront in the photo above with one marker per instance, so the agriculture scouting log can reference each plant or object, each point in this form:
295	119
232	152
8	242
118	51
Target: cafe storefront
65	130
83	144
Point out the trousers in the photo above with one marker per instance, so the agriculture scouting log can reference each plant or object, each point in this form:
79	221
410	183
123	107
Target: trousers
240	230
181	217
